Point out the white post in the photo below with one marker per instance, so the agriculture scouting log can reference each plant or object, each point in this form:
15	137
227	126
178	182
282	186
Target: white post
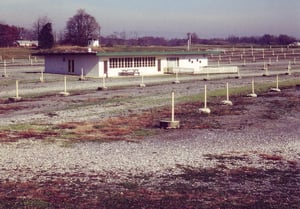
142	84
289	69
5	73
173	118
30	62
263	53
254	59
205	97
227	101
82	78
65	81
229	60
176	78
17	89
277	85
265	69
65	93
42	76
205	110
270	61
227	92
277	58
253	93
294	60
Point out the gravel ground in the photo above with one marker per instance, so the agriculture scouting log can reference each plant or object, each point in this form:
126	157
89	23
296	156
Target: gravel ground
157	161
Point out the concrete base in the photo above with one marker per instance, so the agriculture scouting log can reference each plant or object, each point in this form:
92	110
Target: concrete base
4	76
176	82
227	102
65	94
82	79
265	74
238	77
204	110
168	124
103	88
15	99
288	73
275	90
142	85
252	95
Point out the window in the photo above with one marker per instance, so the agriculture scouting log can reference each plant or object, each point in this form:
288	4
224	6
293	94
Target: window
71	66
129	62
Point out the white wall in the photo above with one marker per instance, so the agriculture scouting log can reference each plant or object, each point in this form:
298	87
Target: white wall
186	63
114	72
193	62
93	65
59	64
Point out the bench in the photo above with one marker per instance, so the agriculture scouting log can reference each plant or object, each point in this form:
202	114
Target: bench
129	72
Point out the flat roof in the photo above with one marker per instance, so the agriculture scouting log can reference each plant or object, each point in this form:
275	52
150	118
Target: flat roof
153	53
129	53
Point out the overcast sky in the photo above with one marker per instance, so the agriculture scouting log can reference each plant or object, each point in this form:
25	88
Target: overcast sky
168	18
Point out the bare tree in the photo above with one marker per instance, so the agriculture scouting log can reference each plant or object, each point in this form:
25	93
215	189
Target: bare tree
81	28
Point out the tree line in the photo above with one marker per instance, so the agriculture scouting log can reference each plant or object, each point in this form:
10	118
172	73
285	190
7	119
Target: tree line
83	27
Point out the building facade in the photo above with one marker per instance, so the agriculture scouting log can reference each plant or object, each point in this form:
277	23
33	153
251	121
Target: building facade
113	64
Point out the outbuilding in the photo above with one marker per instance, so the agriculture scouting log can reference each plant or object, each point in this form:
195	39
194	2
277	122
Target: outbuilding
113	64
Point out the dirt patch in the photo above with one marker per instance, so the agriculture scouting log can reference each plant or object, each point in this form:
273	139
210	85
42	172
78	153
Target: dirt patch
220	187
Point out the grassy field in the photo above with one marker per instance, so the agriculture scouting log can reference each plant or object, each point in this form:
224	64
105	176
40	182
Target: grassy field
16	52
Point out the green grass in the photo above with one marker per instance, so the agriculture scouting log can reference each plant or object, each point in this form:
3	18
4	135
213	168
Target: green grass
238	91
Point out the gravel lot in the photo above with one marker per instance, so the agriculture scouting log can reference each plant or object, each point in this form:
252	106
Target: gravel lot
96	171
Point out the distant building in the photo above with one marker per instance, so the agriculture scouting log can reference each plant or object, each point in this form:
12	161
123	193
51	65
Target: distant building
295	44
93	43
27	43
112	64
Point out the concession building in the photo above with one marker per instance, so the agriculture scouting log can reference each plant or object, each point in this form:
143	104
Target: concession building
113	64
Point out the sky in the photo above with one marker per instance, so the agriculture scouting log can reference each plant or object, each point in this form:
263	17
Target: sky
165	18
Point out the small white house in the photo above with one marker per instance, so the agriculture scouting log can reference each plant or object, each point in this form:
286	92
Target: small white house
27	43
113	64
93	43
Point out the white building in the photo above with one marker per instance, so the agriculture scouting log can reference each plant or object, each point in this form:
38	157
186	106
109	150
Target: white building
93	43
27	43
112	64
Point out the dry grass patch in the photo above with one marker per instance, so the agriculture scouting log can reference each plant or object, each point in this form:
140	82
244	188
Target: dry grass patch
116	128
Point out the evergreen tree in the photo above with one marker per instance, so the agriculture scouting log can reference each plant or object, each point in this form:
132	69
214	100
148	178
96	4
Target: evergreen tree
46	39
